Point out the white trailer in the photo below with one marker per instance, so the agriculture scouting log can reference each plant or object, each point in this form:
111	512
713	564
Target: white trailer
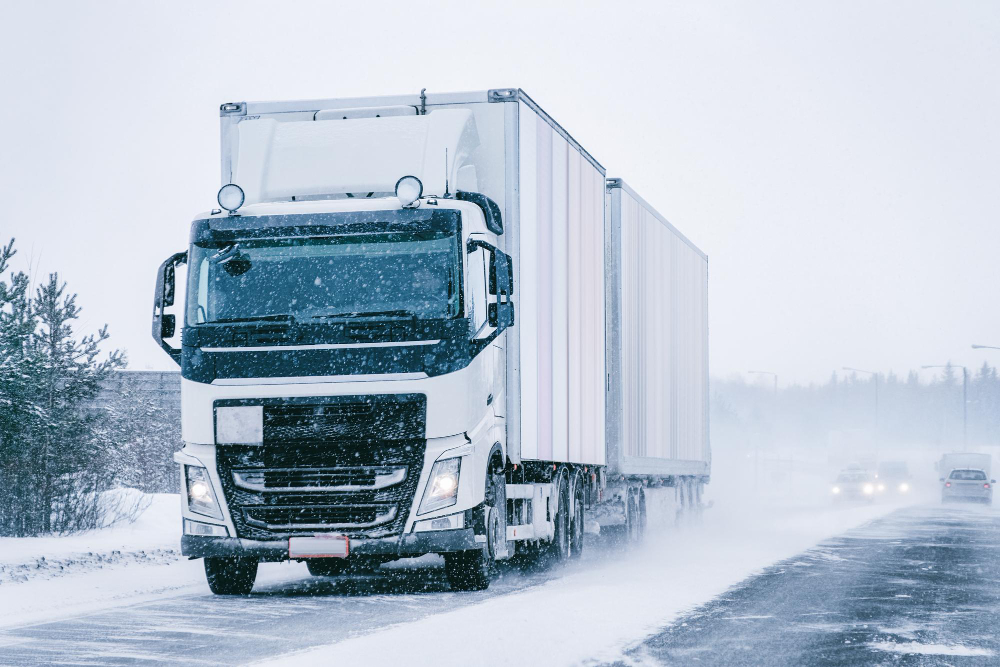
427	297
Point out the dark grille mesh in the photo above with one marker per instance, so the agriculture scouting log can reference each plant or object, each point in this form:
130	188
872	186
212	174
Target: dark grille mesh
327	439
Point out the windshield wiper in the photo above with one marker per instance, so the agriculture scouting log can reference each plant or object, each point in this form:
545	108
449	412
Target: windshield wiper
254	318
365	313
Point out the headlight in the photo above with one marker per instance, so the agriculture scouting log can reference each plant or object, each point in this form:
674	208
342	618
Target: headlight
836	489
869	489
881	487
442	486
904	487
200	496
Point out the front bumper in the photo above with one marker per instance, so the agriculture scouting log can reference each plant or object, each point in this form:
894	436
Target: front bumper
413	544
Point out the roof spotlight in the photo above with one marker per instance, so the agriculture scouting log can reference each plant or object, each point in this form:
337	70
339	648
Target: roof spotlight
408	191
231	197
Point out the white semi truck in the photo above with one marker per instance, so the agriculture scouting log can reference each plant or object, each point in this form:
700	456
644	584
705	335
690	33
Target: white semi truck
427	324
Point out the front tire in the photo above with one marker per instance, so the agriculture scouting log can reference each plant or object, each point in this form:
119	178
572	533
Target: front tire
468	570
472	570
231	576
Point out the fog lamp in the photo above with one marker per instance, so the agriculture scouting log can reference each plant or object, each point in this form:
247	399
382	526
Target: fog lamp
450	522
408	191
204	529
231	197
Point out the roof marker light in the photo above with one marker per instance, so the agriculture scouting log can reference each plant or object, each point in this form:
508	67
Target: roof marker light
231	197
408	191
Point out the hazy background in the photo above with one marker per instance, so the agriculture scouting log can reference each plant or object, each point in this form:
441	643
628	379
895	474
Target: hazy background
839	162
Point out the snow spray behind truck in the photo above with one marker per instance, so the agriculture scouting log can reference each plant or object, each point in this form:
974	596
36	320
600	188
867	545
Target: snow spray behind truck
427	324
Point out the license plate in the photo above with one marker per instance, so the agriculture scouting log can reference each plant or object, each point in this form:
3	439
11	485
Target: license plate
318	546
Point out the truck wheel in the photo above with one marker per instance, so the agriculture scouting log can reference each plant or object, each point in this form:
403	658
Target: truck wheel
472	570
576	524
231	576
633	519
560	547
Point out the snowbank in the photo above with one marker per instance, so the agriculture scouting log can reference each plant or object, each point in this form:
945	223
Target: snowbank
54	576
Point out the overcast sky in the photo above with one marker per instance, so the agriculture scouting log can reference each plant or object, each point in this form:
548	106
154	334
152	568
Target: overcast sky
839	162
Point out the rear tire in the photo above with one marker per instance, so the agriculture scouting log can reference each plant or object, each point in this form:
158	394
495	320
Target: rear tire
231	576
576	524
635	518
559	549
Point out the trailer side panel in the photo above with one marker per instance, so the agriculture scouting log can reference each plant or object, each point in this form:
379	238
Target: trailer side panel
658	287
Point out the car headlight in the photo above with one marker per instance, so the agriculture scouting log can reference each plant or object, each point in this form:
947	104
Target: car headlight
442	485
904	487
200	495
881	487
836	490
869	489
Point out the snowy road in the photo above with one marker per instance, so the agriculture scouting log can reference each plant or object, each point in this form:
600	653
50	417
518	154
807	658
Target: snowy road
279	617
587	611
919	587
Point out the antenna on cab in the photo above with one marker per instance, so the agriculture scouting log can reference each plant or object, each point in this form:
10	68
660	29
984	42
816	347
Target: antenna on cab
446	193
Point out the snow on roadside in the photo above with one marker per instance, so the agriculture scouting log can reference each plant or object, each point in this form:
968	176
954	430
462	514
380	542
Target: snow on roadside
153	537
598	609
56	576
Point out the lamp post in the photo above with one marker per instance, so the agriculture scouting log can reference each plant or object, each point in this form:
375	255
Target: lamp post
965	399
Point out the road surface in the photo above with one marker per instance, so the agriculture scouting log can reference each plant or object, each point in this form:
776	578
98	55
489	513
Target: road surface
919	587
204	629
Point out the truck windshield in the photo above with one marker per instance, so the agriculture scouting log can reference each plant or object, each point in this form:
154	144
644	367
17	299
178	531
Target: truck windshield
398	274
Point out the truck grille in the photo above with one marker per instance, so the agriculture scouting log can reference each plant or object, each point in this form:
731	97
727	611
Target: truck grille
342	464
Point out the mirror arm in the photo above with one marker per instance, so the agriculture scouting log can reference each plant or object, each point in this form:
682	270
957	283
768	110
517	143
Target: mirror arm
163	297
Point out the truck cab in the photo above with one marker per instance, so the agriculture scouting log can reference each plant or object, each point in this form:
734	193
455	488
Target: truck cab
342	382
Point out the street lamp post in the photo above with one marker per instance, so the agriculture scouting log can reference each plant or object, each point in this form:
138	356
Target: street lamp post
965	399
874	374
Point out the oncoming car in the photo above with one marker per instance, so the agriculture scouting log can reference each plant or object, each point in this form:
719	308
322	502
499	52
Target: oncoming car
968	485
853	485
893	478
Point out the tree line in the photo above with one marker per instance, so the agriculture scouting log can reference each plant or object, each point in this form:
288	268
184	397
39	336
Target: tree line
65	462
920	409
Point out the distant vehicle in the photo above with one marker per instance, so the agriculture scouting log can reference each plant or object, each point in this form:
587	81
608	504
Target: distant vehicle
957	460
893	477
854	484
968	485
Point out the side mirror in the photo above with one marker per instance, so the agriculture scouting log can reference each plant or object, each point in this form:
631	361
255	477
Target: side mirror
941	480
168	326
500	315
164	325
993	481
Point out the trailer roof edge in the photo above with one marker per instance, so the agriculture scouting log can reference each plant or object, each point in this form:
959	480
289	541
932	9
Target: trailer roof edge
612	183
